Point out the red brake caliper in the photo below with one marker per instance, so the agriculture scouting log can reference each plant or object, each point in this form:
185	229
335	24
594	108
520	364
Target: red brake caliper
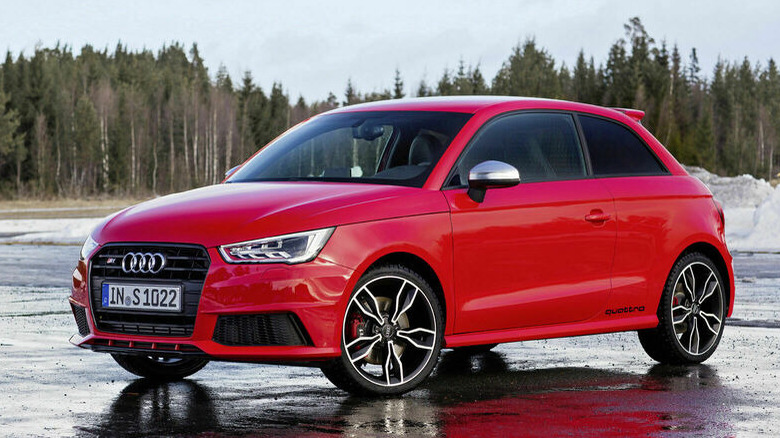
355	324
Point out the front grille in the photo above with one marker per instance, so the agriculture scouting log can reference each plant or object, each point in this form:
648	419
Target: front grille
81	319
269	329
186	265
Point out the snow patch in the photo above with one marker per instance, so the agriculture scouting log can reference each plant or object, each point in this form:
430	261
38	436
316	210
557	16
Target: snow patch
734	191
62	231
751	207
765	232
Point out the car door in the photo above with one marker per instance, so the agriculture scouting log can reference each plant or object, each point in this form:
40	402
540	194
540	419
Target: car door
645	195
537	253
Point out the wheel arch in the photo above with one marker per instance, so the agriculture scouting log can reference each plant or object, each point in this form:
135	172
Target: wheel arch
418	265
717	258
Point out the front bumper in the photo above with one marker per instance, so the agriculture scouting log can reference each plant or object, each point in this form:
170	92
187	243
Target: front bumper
314	294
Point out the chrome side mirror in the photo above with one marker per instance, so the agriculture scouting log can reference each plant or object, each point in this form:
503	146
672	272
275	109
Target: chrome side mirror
230	172
491	174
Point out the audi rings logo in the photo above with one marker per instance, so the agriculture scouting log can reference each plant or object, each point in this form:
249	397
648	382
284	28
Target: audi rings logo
145	263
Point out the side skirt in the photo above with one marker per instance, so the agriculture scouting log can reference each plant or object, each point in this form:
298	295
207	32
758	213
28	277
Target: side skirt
551	331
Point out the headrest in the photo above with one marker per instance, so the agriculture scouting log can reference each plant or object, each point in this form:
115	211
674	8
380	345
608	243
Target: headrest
424	149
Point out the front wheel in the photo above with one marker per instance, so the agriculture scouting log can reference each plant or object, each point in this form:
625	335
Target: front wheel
160	368
691	314
391	334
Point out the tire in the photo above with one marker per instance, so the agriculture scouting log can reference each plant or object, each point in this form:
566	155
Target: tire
391	335
691	313
474	349
158	368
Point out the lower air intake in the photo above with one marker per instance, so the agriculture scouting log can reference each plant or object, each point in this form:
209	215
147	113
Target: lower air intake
268	329
81	319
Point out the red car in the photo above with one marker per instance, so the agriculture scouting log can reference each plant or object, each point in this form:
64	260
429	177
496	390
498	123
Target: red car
366	239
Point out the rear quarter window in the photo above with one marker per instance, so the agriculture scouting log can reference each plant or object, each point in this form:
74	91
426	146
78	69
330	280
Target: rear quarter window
616	151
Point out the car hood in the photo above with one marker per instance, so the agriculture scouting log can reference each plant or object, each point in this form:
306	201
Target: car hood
228	213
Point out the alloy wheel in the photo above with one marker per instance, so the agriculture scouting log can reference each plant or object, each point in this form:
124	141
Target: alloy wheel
390	331
697	309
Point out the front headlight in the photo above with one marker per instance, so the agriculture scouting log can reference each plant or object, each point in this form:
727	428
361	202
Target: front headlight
290	248
88	247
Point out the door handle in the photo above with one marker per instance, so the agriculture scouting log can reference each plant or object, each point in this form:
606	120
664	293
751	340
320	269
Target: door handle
597	217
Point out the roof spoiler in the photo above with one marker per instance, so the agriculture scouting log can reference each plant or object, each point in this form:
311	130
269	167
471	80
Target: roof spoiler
633	113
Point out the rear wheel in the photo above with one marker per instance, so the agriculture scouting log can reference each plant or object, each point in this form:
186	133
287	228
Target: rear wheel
160	368
391	334
691	314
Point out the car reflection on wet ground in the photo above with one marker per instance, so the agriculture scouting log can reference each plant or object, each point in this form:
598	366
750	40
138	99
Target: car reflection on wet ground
590	386
500	403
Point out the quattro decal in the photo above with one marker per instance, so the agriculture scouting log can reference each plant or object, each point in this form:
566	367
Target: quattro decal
628	309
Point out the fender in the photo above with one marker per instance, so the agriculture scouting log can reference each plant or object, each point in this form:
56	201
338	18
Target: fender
361	245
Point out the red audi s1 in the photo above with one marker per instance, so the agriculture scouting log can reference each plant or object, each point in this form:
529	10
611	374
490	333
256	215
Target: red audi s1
366	239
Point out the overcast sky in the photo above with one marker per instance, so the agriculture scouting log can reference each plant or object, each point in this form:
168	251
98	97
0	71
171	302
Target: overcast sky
312	47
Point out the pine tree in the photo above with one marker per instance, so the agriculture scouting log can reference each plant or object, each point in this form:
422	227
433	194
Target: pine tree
461	83
350	95
529	71
423	90
477	82
280	111
618	77
12	148
223	79
86	137
398	86
445	87
580	79
703	142
693	67
769	133
299	112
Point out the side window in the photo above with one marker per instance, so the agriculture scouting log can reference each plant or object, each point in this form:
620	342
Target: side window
542	146
615	150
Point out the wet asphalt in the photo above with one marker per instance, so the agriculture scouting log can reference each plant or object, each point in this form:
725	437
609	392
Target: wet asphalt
589	386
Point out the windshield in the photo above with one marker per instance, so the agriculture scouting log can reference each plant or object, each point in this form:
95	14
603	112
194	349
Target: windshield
383	147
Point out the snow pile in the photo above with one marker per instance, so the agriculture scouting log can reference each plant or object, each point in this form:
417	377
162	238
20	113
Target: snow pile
751	207
742	191
64	231
765	233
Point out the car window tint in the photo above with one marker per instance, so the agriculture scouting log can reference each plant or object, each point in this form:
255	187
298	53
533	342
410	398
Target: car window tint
542	146
615	150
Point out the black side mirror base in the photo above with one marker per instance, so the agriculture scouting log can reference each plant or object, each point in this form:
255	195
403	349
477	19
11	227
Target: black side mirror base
477	194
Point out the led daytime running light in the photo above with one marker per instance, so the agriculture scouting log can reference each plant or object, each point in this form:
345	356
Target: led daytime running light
288	248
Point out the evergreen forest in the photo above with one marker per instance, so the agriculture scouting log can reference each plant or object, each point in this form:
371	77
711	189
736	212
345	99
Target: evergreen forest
138	123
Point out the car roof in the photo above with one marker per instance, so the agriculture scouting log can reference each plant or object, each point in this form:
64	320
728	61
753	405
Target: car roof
469	104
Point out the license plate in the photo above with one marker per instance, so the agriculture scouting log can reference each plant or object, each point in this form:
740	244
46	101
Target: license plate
154	297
